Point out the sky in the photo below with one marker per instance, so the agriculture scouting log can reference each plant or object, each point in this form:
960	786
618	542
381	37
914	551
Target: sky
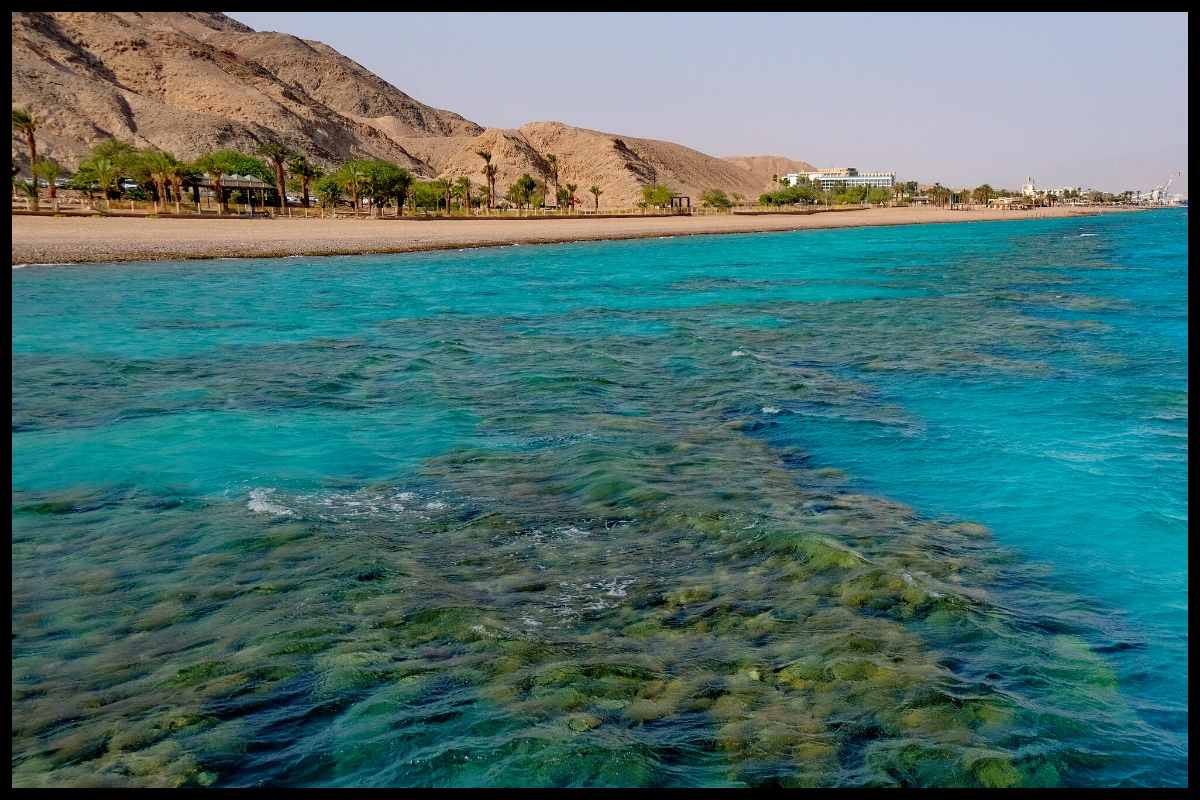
1098	100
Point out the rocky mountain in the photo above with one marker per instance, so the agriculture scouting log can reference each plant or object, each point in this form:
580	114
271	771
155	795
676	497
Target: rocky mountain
189	82
765	168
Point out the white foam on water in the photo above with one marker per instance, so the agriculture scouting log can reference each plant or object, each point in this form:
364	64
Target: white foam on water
260	503
771	409
738	353
435	505
1088	234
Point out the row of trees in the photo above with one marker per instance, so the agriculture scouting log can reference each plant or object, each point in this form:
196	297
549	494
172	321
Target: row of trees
528	192
806	191
380	182
384	183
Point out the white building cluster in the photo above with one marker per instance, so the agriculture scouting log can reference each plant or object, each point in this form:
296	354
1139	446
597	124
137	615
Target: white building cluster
829	179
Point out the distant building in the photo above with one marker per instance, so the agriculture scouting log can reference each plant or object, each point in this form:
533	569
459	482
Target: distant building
1008	202
1030	188
829	179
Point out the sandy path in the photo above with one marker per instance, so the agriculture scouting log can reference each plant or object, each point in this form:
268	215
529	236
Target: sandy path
42	240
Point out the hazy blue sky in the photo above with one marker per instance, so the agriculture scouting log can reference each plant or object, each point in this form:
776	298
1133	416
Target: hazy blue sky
1093	99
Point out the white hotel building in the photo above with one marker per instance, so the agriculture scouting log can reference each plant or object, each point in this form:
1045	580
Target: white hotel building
843	176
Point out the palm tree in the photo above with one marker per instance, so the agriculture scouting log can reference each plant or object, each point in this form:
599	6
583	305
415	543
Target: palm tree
48	170
596	192
160	165
352	178
489	172
25	123
106	173
216	164
462	190
571	187
300	168
28	189
552	161
179	173
400	188
278	155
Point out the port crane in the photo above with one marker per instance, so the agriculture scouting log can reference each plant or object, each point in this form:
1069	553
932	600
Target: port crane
1159	193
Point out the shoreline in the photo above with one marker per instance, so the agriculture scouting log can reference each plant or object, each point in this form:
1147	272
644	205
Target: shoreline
52	241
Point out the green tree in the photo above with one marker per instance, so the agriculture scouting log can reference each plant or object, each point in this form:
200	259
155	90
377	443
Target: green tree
489	173
462	190
305	172
329	191
983	193
49	170
25	123
656	195
878	195
803	192
562	197
523	190
105	173
180	174
571	200
160	167
127	158
939	194
278	155
715	198
384	181
427	195
353	177
29	190
220	163
596	192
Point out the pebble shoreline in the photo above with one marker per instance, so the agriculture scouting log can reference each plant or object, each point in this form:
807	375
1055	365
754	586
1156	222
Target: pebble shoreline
63	240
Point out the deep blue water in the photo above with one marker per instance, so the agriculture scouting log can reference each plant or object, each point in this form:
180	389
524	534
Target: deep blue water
886	506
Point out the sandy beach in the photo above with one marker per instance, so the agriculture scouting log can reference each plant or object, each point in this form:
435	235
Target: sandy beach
54	240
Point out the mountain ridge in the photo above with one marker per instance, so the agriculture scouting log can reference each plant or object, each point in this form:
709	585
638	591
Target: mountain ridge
189	82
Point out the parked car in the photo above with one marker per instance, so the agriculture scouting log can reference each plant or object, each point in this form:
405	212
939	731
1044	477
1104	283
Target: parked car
127	184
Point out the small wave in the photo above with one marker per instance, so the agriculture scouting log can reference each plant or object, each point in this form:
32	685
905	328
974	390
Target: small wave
260	503
771	409
738	353
1087	234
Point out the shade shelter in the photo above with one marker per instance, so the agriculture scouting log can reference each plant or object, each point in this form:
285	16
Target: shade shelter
255	189
681	204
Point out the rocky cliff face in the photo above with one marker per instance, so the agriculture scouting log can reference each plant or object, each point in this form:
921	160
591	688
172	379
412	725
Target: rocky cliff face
190	82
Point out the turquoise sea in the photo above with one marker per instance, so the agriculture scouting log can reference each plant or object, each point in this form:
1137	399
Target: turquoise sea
872	507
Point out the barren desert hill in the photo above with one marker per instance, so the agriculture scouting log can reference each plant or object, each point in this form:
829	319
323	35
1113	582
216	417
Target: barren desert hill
190	82
765	168
619	165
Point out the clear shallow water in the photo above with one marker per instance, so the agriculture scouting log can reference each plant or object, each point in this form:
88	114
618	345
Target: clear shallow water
869	507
